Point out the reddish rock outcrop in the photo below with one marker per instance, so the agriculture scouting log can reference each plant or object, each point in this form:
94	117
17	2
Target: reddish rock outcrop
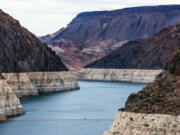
93	35
21	51
162	96
75	57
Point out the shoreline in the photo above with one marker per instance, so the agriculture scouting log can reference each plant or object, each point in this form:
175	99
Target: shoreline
118	75
146	124
17	85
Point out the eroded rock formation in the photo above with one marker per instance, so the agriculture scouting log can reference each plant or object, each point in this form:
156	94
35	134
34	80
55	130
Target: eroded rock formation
118	75
20	83
92	35
47	82
35	83
9	103
30	84
127	123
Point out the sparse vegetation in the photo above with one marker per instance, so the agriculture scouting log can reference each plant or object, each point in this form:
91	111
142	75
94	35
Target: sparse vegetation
131	119
146	125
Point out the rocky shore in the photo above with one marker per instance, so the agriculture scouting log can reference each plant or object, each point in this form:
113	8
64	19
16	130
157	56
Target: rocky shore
155	109
35	83
20	84
127	123
118	75
47	82
14	85
9	103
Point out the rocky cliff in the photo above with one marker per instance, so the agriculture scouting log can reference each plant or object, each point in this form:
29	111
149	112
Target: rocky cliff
20	83
35	83
9	103
144	111
151	53
92	35
47	82
118	75
28	84
161	96
21	51
126	123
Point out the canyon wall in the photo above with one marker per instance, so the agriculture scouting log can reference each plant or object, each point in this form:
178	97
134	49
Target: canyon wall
118	75
154	110
47	82
14	85
9	103
20	84
93	35
35	83
127	123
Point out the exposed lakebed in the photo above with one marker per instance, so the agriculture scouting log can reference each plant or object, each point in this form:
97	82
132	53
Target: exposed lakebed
88	111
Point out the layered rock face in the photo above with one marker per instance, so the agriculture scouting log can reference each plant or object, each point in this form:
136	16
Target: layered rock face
30	84
21	51
151	53
35	83
20	83
118	75
92	35
47	82
126	123
9	103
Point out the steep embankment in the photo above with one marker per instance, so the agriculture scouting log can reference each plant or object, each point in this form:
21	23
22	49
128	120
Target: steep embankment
20	83
161	96
47	82
9	103
21	51
28	84
35	83
151	53
92	35
118	75
158	98
127	123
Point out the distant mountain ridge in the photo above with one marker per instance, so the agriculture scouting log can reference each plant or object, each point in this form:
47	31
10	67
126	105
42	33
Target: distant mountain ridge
21	51
151	53
93	35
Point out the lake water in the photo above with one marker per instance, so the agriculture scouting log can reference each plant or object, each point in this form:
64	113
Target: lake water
88	111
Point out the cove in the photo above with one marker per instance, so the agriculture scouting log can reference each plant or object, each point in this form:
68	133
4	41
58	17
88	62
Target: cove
88	111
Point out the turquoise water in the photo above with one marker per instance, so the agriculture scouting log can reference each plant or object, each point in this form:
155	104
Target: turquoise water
88	111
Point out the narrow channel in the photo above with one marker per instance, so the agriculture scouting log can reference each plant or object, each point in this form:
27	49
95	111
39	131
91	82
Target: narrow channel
88	111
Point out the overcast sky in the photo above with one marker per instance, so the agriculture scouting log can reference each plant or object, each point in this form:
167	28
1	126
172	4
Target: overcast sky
47	16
